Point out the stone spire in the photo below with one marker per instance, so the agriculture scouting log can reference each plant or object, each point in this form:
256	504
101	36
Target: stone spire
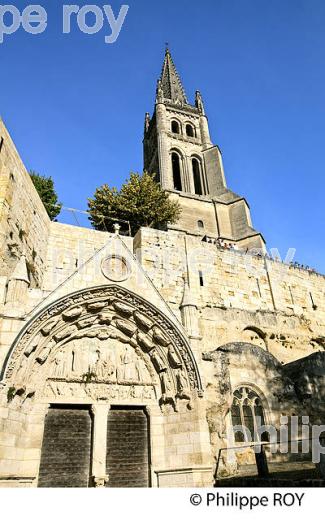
170	81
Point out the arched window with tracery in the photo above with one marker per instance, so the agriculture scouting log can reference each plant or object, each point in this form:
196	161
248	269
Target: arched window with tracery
176	167
247	410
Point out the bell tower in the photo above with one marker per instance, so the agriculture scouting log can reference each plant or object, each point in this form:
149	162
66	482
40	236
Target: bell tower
179	150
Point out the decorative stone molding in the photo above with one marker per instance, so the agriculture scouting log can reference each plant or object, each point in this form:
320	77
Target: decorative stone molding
103	343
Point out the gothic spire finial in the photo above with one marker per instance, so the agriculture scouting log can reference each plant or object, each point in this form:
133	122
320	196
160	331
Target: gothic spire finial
170	81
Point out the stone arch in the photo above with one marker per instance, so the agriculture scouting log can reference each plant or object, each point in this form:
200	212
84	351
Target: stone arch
198	173
255	336
190	129
177	166
249	409
176	126
71	340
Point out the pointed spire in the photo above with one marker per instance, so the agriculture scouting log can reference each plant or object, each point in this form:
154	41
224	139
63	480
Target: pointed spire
170	81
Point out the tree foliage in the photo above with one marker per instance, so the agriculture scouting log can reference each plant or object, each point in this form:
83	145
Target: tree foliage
141	201
45	188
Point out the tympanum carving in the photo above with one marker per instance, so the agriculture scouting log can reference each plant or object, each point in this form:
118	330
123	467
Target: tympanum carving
102	343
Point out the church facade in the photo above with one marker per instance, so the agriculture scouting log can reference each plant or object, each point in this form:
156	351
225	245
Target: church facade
126	361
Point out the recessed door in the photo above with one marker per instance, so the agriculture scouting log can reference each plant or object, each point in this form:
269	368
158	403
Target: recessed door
128	448
66	449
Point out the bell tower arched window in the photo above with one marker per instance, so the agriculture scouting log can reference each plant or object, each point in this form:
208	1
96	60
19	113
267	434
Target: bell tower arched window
196	167
190	130
247	410
176	167
175	127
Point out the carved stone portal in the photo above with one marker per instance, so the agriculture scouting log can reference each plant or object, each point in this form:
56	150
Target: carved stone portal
104	344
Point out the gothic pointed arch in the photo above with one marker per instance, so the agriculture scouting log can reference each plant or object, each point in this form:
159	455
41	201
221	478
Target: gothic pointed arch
177	170
100	340
248	413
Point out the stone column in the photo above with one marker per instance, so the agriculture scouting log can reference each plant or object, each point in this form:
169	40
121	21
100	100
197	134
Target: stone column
205	133
189	313
100	413
165	170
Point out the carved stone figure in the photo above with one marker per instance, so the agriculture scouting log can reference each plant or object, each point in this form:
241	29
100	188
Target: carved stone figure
126	369
142	320
86	322
80	359
123	308
93	357
174	357
65	333
182	385
32	346
49	326
43	355
105	317
159	337
166	386
73	313
160	92
144	342
139	369
157	360
60	367
105	368
126	327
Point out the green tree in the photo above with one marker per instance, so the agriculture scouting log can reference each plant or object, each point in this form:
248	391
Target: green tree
45	188
141	201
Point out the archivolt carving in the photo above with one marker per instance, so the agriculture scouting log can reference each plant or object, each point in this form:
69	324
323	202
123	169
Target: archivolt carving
110	338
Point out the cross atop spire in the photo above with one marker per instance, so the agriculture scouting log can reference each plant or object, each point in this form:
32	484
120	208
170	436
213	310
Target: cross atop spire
170	81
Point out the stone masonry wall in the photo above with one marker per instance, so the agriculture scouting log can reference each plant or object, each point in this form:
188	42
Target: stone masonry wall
24	223
283	308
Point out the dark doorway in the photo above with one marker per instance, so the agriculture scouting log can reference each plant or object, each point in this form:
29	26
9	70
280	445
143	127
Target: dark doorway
128	448
66	449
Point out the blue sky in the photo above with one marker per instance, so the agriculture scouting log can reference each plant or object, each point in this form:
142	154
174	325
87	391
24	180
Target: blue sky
75	105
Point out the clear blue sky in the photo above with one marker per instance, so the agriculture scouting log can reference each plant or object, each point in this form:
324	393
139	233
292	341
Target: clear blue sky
75	105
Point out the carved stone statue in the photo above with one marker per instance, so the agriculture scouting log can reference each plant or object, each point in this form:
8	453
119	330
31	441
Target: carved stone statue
126	369
106	367
160	92
60	367
166	386
80	359
182	385
174	357
157	360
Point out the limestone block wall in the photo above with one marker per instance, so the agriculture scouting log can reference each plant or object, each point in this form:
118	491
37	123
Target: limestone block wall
69	248
193	210
24	223
242	297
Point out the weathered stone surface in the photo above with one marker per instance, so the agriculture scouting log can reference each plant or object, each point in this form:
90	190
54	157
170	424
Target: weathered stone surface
187	326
